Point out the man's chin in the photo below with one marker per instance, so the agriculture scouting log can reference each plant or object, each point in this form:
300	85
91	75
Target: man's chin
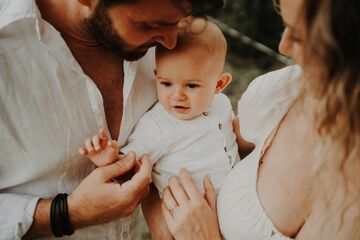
133	56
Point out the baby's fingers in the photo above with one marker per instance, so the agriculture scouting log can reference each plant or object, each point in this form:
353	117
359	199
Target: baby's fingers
103	135
82	152
96	142
89	146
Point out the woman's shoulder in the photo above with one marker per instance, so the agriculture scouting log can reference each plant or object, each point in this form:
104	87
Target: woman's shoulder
266	98
274	81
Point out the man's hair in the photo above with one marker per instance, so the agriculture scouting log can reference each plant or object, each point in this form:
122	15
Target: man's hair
199	7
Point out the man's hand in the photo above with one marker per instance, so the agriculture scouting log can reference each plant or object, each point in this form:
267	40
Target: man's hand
100	199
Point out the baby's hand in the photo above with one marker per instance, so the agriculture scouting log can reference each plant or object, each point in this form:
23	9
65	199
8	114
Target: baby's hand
100	149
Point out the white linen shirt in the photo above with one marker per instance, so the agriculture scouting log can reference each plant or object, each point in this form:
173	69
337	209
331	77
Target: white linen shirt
204	145
48	106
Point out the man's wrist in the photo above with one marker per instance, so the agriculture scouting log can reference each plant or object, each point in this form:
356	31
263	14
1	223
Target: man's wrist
74	213
59	216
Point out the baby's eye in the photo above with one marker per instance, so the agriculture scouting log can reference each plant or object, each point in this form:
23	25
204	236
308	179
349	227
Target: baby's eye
192	85
166	84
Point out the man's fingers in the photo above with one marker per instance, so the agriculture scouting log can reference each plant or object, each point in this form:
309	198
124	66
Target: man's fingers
210	193
141	179
118	168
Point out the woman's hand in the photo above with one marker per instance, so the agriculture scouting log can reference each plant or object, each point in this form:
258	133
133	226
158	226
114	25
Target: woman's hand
188	214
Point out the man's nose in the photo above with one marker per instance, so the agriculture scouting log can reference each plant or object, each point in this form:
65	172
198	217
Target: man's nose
168	38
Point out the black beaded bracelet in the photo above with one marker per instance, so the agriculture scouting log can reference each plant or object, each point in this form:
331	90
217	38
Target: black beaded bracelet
59	216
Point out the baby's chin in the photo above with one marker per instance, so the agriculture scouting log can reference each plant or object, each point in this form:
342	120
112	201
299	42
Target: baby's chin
188	117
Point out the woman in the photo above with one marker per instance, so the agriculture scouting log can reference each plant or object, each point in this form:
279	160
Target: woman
301	179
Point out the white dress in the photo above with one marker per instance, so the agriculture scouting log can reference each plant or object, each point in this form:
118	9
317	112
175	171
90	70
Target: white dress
204	145
260	109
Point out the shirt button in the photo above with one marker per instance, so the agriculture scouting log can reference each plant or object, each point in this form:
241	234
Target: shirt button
220	126
230	162
225	149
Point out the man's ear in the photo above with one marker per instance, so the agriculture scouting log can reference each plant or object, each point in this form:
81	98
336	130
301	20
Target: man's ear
224	80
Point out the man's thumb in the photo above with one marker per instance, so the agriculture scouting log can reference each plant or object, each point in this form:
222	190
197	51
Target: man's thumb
120	167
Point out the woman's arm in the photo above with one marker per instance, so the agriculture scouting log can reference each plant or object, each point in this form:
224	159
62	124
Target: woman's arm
188	214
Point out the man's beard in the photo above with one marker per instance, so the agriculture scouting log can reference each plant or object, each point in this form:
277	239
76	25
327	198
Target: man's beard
100	27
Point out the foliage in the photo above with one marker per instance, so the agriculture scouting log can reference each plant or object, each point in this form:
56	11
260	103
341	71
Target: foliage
258	20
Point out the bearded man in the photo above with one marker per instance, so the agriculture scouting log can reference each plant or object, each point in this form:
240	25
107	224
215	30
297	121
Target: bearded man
67	69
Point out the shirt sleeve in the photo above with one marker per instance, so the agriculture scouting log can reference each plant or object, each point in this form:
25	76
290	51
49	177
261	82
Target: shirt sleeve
16	214
145	139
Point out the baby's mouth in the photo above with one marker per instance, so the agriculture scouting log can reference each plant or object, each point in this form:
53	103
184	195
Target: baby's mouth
181	108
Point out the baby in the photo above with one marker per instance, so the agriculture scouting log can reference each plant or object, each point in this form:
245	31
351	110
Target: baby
191	125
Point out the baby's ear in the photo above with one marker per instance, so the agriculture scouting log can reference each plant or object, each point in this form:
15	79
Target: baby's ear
222	82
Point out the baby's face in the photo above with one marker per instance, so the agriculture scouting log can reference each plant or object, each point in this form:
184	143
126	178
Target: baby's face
186	84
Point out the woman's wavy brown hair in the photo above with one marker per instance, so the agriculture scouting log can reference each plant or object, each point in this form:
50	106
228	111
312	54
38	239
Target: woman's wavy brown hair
333	36
333	47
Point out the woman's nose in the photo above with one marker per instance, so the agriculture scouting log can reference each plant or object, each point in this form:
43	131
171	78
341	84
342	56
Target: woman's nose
285	45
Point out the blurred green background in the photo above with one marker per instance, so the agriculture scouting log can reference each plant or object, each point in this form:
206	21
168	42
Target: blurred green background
253	30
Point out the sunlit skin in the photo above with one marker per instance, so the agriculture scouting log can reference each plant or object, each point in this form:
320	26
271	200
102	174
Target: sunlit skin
293	43
187	84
